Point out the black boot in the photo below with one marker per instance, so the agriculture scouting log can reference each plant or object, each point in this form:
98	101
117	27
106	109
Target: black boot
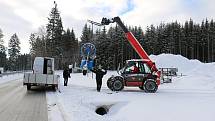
65	82
98	88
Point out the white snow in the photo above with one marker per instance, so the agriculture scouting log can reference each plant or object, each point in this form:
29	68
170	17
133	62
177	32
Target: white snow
13	77
183	64
187	98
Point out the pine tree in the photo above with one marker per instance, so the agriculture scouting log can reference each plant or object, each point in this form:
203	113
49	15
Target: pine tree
3	55
160	39
13	51
70	47
53	43
102	48
111	48
212	40
121	42
1	39
32	42
176	36
24	62
196	34
86	34
207	41
54	33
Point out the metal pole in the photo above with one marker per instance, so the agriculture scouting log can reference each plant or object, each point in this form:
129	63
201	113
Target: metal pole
92	41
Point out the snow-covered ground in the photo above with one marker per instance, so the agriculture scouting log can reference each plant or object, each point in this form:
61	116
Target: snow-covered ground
187	98
13	77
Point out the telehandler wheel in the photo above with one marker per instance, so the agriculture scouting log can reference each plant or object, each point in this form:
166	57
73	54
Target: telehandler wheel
150	86
110	82
117	85
28	86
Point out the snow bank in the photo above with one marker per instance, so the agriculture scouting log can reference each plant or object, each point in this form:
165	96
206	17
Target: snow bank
13	77
197	75
183	64
202	77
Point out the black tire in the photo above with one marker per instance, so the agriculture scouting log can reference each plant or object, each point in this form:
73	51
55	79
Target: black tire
117	85
110	82
150	86
28	87
84	72
54	87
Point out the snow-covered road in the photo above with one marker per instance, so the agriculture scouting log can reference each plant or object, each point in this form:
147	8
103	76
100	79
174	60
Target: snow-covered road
18	104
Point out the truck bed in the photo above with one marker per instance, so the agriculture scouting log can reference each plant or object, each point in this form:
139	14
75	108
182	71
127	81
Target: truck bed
40	79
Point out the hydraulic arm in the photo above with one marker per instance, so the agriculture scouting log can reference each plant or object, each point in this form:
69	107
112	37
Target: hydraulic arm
133	41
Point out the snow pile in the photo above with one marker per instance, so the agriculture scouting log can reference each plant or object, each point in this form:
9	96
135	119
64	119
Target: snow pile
197	75
175	61
202	77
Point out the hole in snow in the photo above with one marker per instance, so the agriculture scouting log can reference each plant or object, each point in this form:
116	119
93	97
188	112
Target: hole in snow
102	110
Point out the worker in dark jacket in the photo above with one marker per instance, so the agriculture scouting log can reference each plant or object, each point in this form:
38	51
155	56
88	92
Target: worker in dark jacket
66	75
99	75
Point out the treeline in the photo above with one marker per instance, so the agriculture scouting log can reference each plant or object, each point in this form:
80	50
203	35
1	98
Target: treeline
14	60
190	39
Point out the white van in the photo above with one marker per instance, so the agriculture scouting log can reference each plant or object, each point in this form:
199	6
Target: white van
43	74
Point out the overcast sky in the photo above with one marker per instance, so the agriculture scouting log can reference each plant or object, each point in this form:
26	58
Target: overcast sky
26	16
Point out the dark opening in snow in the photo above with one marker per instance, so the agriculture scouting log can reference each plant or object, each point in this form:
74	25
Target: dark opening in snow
101	110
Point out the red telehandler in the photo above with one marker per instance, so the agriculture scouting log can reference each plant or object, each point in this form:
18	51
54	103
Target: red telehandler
141	73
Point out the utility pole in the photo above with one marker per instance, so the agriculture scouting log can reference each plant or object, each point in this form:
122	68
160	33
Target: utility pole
93	23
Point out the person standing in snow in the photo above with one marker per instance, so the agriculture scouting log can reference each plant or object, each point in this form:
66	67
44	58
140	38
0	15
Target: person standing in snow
99	75
66	75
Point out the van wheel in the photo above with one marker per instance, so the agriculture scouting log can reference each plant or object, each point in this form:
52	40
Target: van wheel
28	86
54	87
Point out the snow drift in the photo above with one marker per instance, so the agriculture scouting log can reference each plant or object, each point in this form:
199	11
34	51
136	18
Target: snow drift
198	75
175	61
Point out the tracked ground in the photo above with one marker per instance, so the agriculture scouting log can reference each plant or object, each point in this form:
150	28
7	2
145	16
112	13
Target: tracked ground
18	104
